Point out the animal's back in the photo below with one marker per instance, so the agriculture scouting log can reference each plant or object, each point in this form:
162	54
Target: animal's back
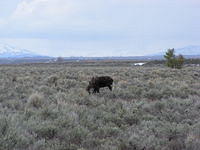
105	80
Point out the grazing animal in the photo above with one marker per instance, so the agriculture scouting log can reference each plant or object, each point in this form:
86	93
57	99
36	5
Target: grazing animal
98	82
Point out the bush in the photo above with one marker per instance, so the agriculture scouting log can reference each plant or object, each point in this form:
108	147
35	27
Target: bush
46	131
36	100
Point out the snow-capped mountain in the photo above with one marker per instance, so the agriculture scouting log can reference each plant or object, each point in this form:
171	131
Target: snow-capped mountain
8	51
188	50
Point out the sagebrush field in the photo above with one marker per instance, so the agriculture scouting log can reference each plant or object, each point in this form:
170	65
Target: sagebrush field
46	107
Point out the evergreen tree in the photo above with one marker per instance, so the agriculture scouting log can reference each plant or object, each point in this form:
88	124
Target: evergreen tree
172	61
170	57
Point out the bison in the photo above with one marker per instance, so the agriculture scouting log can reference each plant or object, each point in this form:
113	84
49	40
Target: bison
98	82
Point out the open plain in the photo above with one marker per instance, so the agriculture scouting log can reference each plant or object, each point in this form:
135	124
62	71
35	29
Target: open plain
46	107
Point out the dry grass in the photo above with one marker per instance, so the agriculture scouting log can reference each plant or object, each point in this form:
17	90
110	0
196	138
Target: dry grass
46	107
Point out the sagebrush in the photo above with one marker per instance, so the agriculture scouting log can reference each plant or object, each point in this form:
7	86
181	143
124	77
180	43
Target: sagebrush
46	107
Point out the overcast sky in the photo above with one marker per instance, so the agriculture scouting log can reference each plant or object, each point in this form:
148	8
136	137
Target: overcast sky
99	27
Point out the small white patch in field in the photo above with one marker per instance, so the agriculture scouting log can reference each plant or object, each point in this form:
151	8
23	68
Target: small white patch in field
139	64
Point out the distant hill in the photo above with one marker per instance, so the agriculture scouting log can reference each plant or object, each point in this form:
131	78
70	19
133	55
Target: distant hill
8	51
13	55
187	51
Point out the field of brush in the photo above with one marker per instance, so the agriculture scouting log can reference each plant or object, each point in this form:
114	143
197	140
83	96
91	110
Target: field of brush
46	107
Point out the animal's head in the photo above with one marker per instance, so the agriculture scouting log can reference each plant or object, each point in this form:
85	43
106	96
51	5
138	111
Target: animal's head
88	87
91	84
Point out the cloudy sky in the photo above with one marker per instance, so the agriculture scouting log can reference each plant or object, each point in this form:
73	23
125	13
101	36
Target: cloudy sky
99	27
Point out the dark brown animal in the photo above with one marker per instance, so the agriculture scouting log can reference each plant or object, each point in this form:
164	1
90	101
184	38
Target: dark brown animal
99	82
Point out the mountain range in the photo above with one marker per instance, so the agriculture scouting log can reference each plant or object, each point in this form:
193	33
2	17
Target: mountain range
11	53
188	50
8	51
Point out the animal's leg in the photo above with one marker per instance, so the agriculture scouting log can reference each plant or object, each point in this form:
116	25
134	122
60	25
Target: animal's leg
89	92
94	91
110	87
97	90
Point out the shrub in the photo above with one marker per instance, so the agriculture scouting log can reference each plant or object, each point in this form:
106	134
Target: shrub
77	135
36	100
46	131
